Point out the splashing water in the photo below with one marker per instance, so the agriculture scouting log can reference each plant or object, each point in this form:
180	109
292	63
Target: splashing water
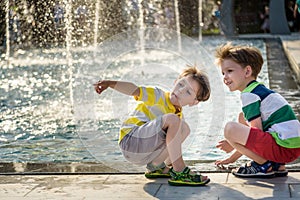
50	112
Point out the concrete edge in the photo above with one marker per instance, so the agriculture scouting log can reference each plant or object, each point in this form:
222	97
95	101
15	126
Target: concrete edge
293	63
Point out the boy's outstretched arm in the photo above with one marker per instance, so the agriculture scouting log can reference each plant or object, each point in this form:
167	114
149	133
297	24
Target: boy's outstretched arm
127	88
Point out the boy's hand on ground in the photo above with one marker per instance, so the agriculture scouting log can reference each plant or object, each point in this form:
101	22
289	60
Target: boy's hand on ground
224	146
220	163
100	86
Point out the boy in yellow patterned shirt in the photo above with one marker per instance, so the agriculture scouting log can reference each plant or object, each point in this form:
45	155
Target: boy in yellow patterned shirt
154	132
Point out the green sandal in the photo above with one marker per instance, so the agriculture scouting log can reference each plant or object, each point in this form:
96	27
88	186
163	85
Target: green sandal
184	178
156	171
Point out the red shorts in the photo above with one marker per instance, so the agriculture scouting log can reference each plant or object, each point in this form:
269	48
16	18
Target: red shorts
263	144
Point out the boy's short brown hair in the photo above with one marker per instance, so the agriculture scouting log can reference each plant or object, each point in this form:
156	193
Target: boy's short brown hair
243	55
204	92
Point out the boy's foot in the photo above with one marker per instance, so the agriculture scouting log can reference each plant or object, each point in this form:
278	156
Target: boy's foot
187	178
255	170
160	171
279	169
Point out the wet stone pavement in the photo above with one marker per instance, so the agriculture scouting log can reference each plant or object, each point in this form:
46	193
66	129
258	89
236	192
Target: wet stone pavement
281	78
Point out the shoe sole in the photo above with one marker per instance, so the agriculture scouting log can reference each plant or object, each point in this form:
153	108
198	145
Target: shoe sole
181	183
281	173
153	176
263	175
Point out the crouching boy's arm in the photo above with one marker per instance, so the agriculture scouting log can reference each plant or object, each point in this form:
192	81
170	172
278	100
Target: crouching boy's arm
236	155
127	88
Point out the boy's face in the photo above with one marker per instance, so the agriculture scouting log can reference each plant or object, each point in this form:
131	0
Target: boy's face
234	76
184	92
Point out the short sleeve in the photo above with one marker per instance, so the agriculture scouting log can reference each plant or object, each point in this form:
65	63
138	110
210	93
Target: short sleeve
251	106
139	98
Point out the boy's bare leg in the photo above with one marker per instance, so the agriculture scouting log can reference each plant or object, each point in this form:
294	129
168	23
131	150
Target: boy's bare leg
177	131
237	135
168	162
176	128
242	120
161	158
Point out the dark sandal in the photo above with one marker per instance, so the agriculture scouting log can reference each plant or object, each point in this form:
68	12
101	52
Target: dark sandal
184	178
279	173
157	171
255	170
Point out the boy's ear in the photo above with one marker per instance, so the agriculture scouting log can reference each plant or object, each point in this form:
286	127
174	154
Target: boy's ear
248	71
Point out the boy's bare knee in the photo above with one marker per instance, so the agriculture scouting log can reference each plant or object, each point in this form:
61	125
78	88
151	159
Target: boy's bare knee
173	120
170	119
229	127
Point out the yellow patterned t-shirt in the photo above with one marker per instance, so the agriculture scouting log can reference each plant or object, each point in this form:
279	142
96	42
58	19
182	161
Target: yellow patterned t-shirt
154	102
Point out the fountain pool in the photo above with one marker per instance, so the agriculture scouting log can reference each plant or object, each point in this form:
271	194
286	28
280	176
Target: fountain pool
51	114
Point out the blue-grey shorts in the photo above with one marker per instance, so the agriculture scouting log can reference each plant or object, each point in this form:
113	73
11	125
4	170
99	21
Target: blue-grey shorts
144	143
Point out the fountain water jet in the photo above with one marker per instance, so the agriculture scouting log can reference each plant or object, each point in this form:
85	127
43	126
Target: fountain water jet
200	20
177	19
97	8
141	30
7	33
68	22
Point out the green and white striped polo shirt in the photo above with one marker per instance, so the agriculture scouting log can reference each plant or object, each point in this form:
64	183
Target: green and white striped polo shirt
277	116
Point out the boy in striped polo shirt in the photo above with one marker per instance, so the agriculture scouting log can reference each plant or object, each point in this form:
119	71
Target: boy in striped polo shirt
153	133
268	132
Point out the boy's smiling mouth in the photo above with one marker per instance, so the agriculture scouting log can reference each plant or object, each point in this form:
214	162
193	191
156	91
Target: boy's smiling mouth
227	82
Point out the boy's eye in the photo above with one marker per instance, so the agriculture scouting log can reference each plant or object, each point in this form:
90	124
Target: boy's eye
189	93
180	84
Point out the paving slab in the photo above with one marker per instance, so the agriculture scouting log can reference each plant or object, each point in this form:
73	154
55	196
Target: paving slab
222	186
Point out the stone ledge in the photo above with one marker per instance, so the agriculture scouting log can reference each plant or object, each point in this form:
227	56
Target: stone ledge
288	46
18	168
